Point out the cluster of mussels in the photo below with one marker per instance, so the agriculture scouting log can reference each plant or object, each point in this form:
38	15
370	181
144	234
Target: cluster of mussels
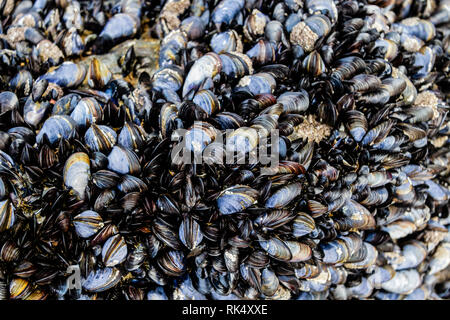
93	204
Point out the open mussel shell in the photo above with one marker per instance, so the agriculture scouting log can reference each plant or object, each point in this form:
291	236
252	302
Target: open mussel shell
87	223
236	199
100	138
114	251
102	279
77	173
123	161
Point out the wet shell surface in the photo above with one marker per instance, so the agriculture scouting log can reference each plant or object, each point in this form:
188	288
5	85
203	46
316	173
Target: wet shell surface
225	150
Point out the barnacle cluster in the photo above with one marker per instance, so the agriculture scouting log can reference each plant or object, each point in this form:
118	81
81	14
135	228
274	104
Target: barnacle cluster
350	96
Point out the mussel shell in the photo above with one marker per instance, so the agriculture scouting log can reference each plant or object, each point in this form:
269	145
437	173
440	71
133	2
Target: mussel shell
25	269
282	197
87	223
131	183
236	199
123	161
8	101
87	111
335	251
66	104
403	282
105	179
258	83
207	66
207	101
303	224
7	215
228	41
67	75
193	26
269	282
199	136
225	12
77	173
294	102
370	255
190	234
100	138
98	74
235	64
131	136
22	83
34	112
277	249
172	263
20	289
102	279
56	127
9	252
114	251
